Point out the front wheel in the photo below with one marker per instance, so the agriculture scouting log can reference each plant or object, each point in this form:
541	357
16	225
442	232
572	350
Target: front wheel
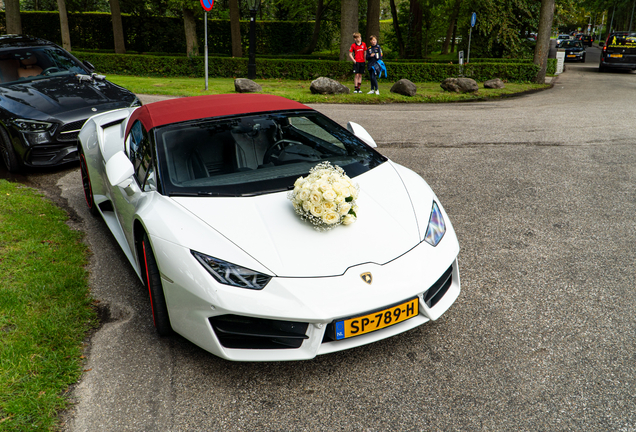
583	59
86	183
7	152
152	280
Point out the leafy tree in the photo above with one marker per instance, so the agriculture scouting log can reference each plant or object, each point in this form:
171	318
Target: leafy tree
348	25
235	29
118	28
543	39
66	34
12	16
373	19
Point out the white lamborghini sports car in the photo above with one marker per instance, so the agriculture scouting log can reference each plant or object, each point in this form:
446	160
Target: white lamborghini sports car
195	191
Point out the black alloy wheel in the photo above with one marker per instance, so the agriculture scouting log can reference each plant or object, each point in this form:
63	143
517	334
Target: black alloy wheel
152	280
86	183
8	154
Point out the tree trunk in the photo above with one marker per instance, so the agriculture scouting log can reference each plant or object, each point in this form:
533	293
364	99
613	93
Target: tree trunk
314	38
66	34
348	25
12	14
373	19
542	49
450	32
189	25
414	39
235	29
118	28
396	28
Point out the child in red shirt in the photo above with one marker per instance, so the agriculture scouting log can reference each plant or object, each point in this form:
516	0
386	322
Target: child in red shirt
357	55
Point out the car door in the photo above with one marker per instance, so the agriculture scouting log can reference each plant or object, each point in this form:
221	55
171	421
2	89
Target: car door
128	200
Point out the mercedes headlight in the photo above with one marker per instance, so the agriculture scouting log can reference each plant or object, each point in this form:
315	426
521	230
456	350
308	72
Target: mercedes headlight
436	226
32	125
231	274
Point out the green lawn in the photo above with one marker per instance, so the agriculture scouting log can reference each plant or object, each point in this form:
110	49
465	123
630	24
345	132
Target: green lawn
45	309
299	90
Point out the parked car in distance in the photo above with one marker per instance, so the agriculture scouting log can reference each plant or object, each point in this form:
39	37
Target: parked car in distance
561	38
586	39
574	50
619	52
46	95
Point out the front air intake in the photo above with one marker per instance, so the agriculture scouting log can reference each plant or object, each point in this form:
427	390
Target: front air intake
234	331
439	288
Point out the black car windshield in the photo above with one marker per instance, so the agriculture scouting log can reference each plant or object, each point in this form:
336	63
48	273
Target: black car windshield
36	63
571	44
254	154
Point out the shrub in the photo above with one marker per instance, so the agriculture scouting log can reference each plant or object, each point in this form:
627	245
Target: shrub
300	69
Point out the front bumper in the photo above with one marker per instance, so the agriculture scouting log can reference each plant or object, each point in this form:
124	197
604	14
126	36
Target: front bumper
574	56
200	309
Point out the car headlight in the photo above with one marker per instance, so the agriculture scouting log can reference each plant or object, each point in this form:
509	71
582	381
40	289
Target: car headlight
32	125
436	226
231	274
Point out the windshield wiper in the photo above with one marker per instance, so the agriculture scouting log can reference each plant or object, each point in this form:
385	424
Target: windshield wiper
202	193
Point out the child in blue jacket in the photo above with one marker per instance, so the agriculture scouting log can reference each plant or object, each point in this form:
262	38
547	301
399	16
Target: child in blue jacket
374	53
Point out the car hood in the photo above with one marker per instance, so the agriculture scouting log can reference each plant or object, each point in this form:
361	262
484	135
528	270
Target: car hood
63	98
267	228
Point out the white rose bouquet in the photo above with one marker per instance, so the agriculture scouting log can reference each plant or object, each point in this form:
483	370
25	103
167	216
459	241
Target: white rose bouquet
326	197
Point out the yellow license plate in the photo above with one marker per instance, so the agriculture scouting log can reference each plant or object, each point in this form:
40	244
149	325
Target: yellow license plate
377	320
616	55
571	56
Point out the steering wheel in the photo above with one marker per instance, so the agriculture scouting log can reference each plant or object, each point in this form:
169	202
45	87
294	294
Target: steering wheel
280	145
50	70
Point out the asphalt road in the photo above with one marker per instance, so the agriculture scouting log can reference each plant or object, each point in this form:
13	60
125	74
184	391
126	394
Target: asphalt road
541	190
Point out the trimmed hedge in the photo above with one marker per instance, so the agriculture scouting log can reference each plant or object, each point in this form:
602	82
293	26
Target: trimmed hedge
94	30
225	67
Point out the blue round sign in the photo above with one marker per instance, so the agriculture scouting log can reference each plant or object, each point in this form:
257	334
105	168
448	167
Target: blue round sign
207	4
473	19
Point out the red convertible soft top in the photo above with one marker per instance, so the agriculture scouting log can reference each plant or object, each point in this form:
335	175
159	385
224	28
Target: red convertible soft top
200	107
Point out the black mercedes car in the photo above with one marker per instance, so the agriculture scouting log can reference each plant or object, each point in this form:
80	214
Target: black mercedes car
46	95
574	50
619	52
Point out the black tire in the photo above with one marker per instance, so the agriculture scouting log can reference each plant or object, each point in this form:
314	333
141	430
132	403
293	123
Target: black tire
583	59
152	280
8	153
86	183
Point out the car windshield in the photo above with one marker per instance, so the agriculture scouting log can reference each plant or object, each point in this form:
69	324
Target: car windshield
571	44
36	63
255	154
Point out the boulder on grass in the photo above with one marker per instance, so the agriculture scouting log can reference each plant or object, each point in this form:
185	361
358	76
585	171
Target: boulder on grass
495	83
244	85
323	85
404	87
460	85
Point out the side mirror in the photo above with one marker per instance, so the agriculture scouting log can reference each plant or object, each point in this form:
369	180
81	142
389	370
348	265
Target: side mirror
361	133
119	170
89	65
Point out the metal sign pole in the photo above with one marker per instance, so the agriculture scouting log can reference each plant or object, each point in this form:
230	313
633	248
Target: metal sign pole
473	20
205	26
470	32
